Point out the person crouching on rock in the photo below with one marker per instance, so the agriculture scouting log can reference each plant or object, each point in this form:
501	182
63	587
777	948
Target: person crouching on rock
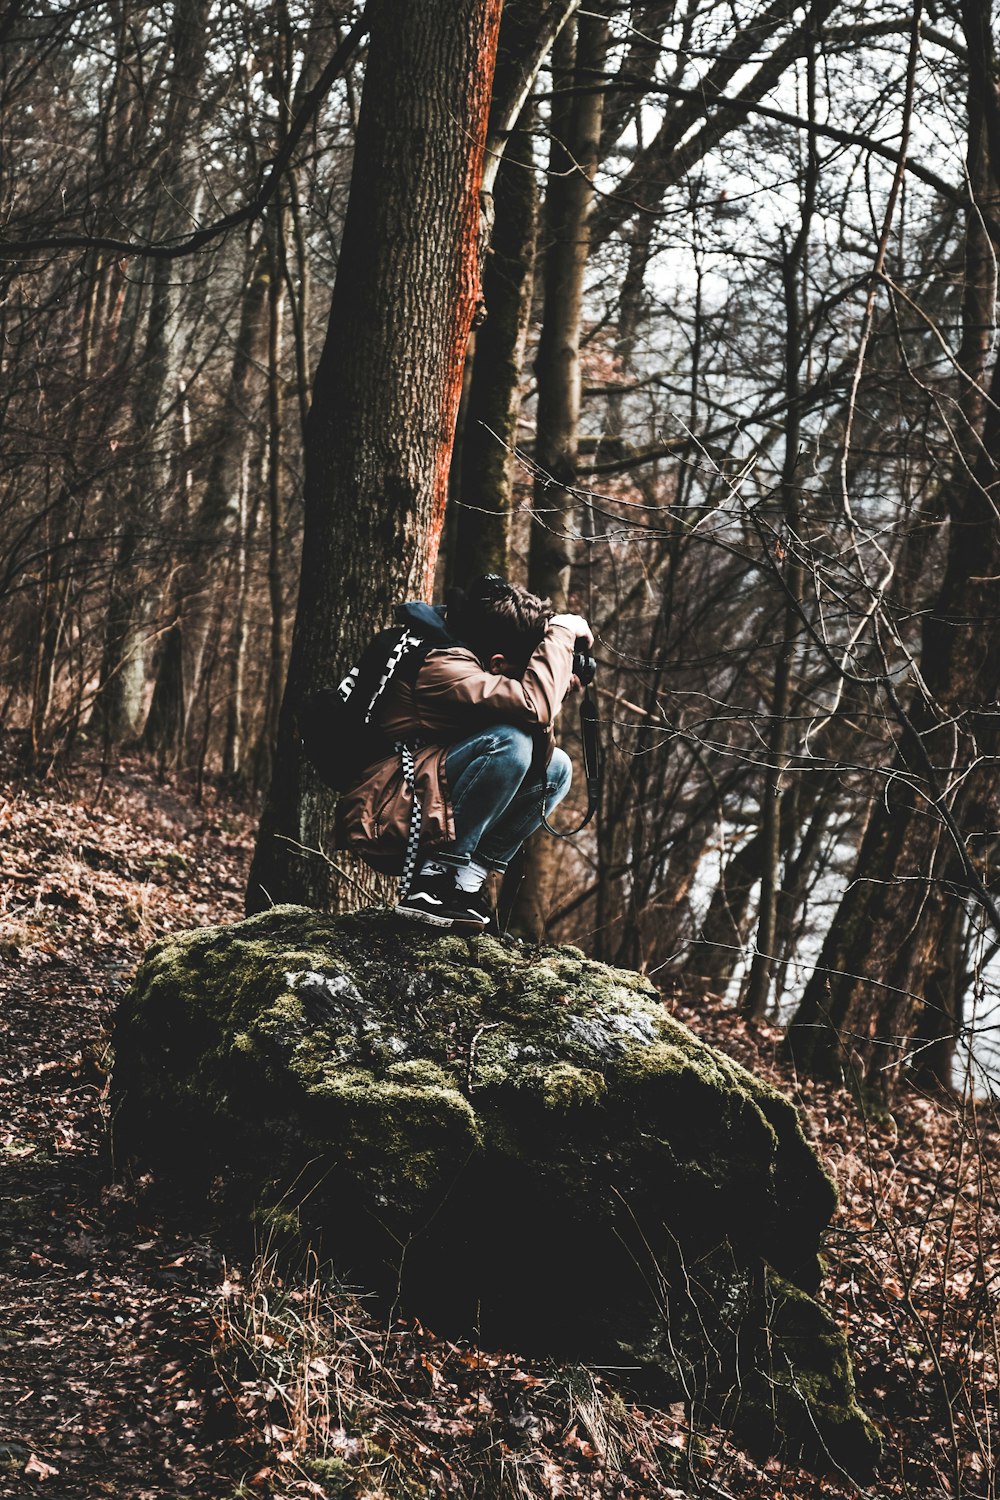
476	719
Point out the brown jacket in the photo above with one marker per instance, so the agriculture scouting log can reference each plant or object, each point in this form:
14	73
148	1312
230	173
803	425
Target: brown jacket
453	697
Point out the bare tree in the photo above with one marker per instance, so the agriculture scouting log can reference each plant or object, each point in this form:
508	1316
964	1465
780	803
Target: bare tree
385	399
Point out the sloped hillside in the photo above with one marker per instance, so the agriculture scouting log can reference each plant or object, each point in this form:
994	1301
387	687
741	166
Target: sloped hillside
145	1354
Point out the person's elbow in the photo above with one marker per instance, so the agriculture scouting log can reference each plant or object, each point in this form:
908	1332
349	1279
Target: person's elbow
542	714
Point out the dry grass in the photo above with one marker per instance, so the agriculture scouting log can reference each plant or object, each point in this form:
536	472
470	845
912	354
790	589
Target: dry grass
342	1406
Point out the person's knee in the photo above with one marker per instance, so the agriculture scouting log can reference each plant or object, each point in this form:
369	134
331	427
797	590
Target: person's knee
559	774
514	745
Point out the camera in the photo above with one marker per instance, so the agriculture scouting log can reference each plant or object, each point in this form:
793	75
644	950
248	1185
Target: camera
584	665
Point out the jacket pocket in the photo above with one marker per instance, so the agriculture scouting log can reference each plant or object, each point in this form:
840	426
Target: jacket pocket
392	808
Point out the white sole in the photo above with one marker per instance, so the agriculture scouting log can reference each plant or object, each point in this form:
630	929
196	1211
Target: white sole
423	916
418	915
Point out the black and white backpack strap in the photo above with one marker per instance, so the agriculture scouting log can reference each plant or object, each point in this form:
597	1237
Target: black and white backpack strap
405	643
416	818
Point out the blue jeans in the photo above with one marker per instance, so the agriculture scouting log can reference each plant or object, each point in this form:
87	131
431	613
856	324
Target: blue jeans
496	796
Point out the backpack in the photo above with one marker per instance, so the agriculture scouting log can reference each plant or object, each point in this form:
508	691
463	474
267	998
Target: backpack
335	725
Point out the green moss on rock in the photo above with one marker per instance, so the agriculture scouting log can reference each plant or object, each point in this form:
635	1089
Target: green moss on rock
515	1139
803	1385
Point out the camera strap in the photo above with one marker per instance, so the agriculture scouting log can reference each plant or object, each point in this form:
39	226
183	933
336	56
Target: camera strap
592	767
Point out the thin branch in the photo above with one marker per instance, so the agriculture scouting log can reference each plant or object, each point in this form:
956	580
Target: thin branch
171	250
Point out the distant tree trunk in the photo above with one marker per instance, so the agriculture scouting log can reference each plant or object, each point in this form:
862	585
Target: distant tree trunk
267	277
628	837
380	431
754	1002
800	871
215	511
885	996
275	514
727	924
482	532
630	309
232	752
119	706
725	928
622	108
119	703
578	60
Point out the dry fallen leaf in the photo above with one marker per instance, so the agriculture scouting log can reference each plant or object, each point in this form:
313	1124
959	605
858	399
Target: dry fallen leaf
37	1468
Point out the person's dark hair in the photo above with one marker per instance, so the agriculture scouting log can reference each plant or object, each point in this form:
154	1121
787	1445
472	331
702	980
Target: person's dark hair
497	618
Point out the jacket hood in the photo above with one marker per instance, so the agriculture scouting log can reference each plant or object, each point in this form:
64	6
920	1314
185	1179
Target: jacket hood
426	620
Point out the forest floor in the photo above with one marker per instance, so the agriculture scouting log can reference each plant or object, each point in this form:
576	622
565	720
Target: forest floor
135	1360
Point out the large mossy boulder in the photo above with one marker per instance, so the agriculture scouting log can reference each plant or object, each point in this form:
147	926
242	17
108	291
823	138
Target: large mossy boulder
508	1141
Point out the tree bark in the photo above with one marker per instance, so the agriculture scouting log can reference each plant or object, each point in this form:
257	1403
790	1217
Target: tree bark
233	744
264	749
578	58
480	502
793	258
482	533
380	431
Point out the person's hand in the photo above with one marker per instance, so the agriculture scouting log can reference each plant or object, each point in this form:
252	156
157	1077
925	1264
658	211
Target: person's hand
574	685
577	625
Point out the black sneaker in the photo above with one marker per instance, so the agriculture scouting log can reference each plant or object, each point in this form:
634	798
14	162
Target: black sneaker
479	903
436	899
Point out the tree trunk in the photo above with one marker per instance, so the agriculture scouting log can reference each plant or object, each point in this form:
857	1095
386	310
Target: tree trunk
483	465
578	59
275	516
119	706
727	924
215	511
754	1003
386	391
232	752
218	510
482	533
